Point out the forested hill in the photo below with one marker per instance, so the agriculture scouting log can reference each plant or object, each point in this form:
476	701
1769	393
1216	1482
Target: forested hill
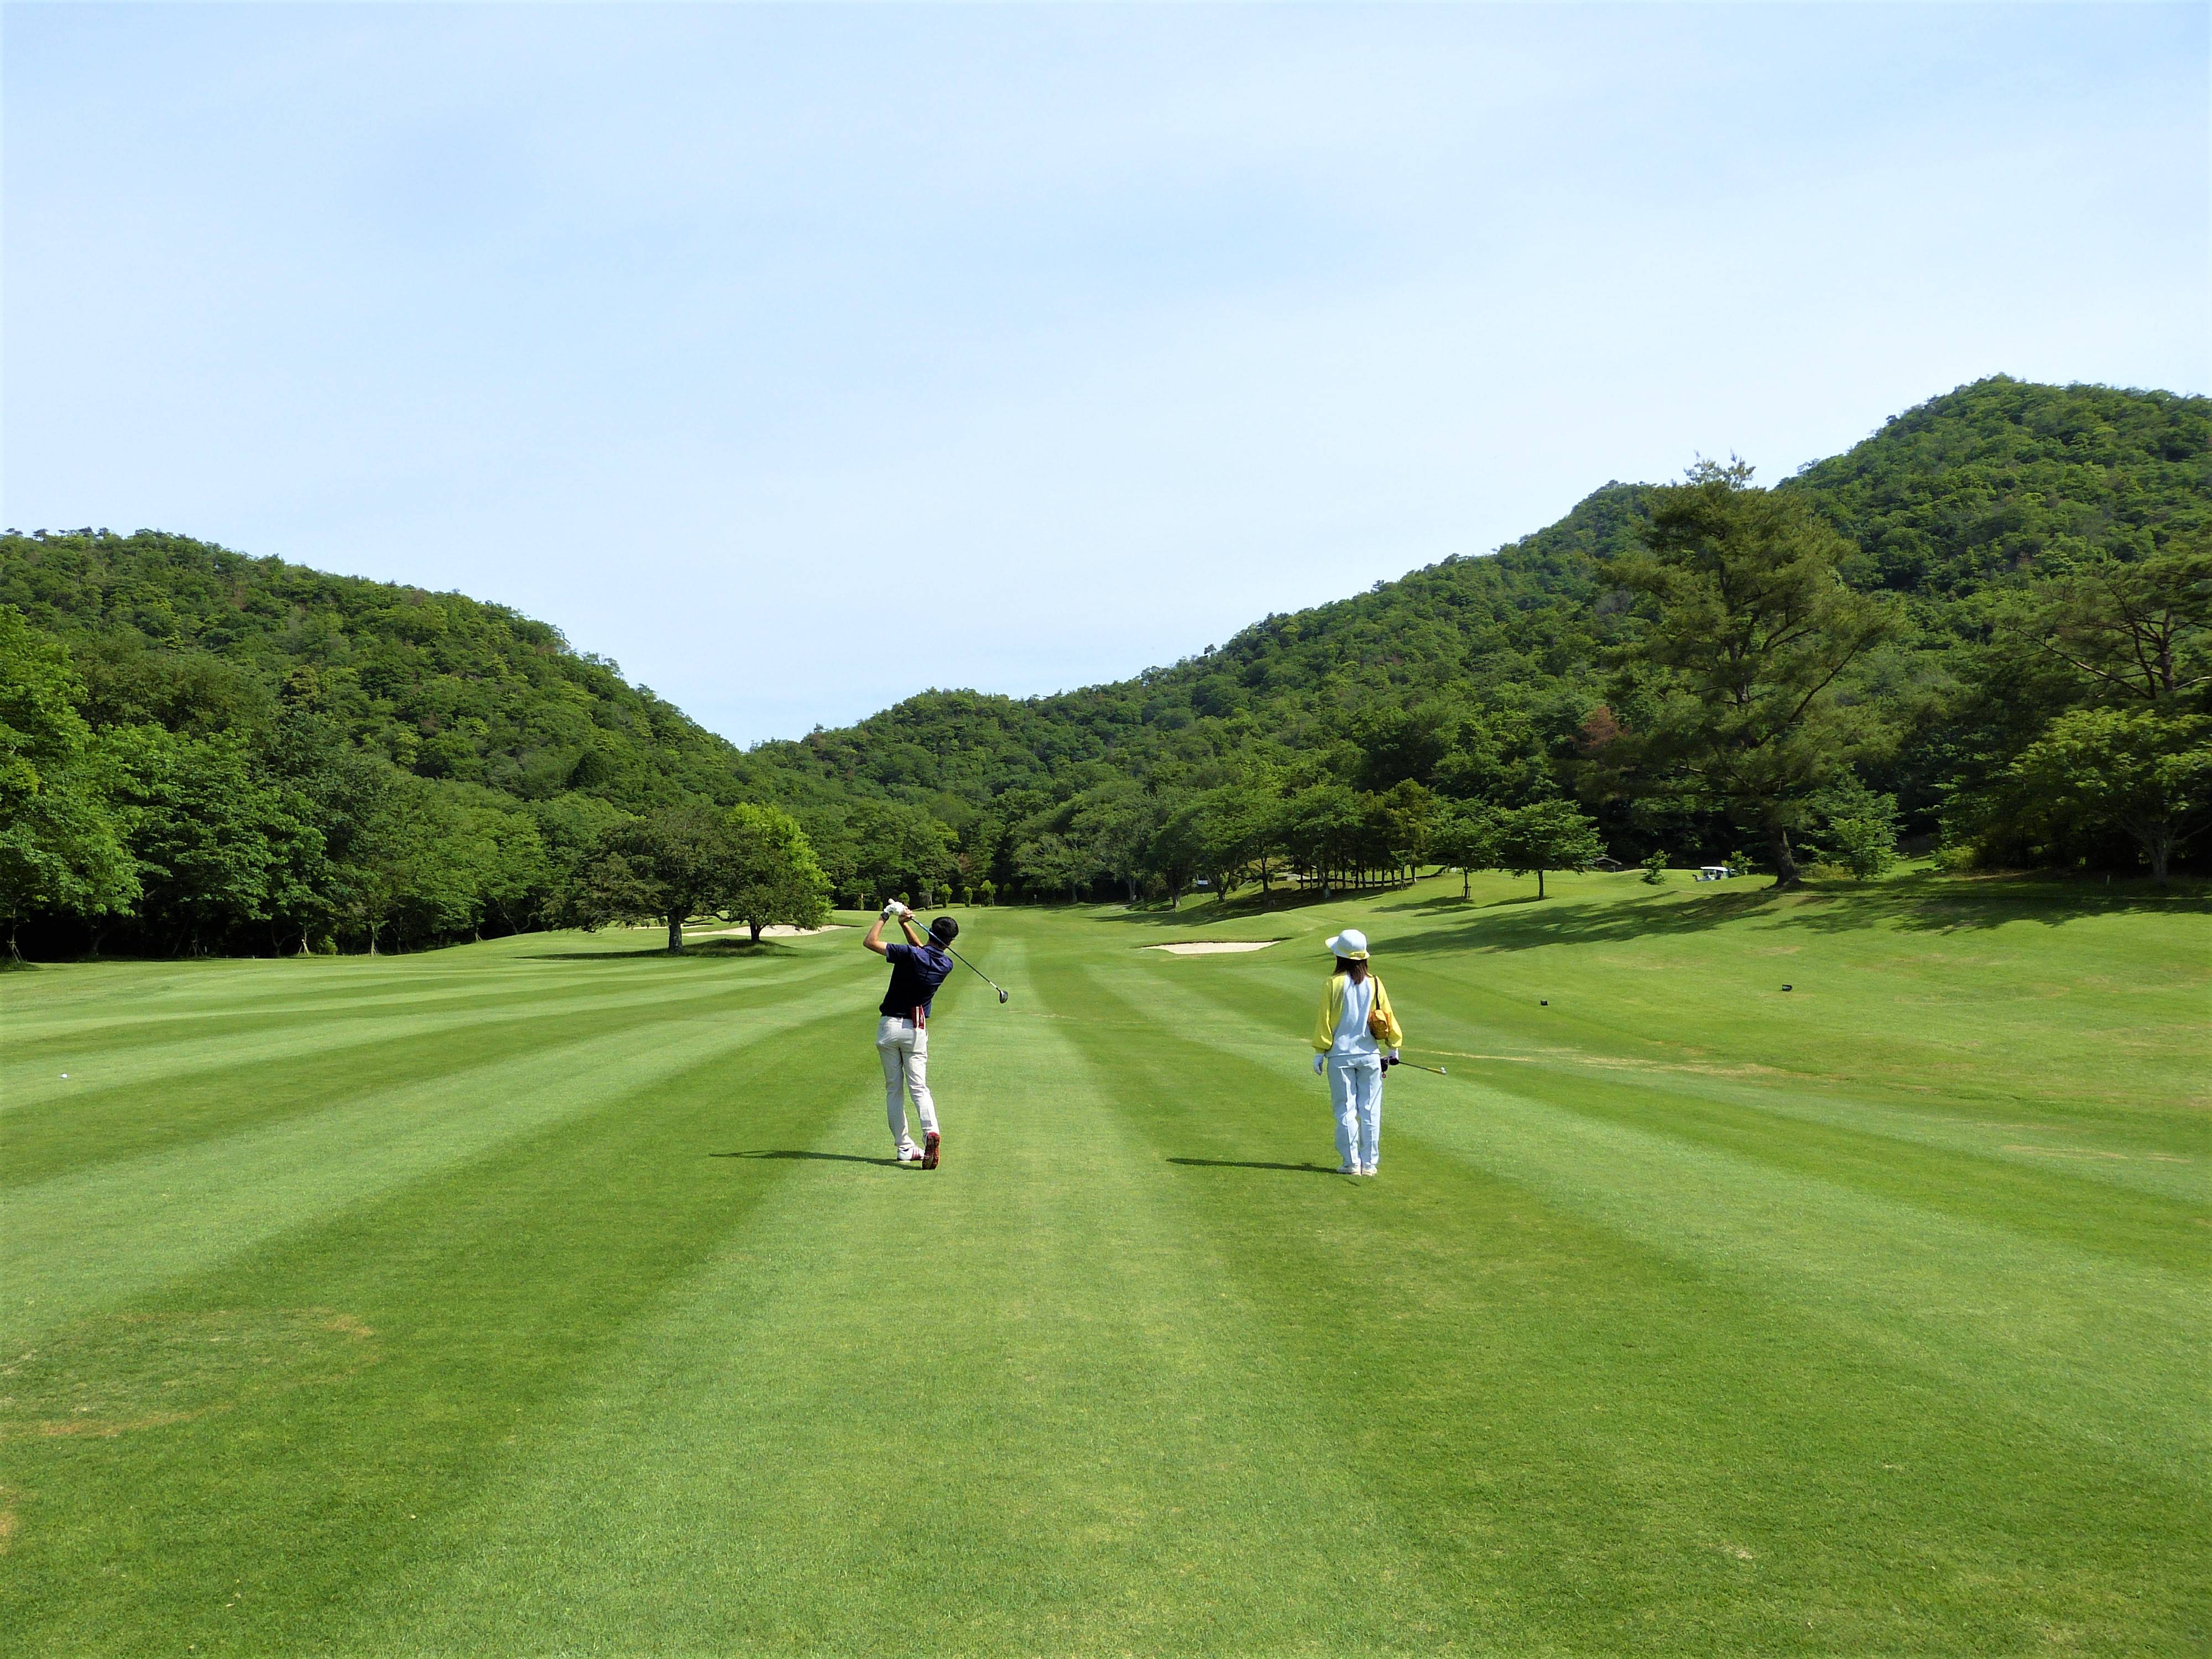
1982	487
1521	629
280	753
202	751
172	632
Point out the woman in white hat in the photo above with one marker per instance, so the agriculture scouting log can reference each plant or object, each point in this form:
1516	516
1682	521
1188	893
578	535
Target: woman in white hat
1355	1030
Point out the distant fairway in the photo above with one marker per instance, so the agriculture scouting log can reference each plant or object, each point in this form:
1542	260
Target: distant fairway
551	1296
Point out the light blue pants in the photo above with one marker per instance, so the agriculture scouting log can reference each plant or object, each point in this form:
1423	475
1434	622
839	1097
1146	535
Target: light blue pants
1355	1089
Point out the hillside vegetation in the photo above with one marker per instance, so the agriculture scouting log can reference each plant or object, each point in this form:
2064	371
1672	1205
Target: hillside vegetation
207	750
1479	666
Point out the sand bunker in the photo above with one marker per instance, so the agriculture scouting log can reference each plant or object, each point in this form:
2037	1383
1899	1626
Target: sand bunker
1214	947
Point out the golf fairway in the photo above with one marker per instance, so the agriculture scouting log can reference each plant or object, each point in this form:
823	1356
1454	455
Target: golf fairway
555	1296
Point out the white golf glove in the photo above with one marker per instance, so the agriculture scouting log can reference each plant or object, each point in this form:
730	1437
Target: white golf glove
895	908
1321	1063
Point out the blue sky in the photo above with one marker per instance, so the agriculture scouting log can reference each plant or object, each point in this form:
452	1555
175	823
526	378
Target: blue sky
802	358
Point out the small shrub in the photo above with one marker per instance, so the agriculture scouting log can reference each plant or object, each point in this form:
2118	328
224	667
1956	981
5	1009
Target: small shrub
1655	869
1866	847
1861	831
1955	858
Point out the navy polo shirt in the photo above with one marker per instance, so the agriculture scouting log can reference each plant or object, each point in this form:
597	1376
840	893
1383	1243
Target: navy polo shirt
917	972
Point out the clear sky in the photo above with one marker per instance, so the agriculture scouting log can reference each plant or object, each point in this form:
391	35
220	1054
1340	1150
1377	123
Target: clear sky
800	359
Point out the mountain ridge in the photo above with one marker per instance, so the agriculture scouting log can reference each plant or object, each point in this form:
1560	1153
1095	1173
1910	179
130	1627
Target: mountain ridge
1471	677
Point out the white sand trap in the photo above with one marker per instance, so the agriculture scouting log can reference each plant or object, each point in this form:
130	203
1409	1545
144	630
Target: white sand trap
1214	947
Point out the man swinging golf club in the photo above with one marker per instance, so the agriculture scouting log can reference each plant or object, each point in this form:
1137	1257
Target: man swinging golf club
918	967
1351	1038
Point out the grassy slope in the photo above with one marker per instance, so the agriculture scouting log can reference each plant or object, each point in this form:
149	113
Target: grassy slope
538	1297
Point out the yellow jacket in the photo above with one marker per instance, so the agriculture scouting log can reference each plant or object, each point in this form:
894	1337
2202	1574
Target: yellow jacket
1332	1010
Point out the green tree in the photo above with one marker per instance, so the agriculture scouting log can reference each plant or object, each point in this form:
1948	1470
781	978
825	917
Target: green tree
61	849
2145	775
1547	834
1464	837
1051	863
1747	627
1321	829
502	859
774	877
1115	823
671	864
429	862
218	847
1399	745
1214	834
1655	869
897	847
2137	630
1862	829
1403	819
1267	820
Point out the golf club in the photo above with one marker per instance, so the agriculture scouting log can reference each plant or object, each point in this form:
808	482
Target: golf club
963	962
1417	1066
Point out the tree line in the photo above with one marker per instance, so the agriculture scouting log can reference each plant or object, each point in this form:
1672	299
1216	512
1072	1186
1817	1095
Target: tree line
1985	627
287	840
1745	696
1983	554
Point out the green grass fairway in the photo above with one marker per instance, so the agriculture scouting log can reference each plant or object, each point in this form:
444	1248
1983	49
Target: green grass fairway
554	1296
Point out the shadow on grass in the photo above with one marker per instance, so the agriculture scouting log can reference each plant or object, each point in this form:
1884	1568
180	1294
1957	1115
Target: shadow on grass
1451	904
813	1157
1920	902
703	949
1926	900
1240	1163
1247	907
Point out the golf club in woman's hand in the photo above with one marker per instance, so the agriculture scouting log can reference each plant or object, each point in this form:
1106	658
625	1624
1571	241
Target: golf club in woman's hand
1400	1059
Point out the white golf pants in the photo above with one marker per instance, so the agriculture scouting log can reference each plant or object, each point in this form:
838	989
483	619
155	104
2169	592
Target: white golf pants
1355	1089
904	1047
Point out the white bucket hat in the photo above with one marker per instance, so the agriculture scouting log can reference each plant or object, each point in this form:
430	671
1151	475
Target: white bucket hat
1351	943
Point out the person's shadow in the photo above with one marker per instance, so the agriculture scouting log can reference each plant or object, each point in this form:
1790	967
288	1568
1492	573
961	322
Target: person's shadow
1240	1163
813	1157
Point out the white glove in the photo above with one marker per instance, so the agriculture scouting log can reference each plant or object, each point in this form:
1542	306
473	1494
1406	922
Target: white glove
895	908
1321	1063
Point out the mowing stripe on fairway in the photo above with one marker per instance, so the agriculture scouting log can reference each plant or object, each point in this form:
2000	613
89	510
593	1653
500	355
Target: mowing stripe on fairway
285	1075
551	1295
97	1059
1632	1362
89	1239
490	1281
980	1410
2013	1292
